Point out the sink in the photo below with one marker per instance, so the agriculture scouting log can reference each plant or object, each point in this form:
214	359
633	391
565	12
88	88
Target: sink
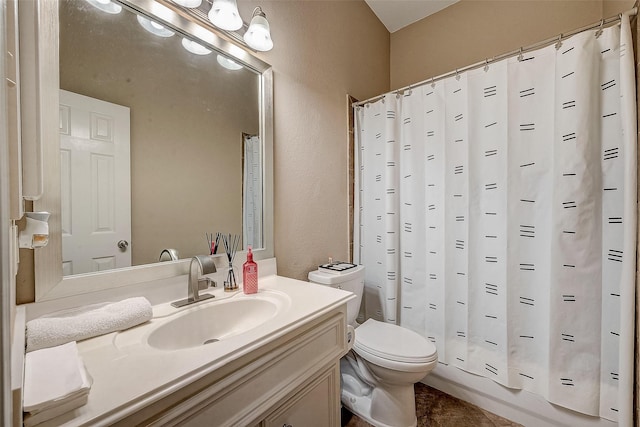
213	322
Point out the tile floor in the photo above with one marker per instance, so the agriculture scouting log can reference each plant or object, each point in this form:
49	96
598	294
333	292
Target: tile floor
435	408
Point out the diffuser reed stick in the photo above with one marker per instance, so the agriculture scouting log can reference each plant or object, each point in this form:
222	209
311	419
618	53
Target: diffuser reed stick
230	242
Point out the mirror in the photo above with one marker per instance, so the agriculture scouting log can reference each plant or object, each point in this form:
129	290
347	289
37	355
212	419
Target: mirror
198	137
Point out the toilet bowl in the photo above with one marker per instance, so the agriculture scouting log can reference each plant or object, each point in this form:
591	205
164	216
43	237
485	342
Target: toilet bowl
384	361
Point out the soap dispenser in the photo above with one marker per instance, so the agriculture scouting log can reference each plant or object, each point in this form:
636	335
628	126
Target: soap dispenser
250	274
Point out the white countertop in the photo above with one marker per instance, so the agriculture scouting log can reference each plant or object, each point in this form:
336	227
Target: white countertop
128	374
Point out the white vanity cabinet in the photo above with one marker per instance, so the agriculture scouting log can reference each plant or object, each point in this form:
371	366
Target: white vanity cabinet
313	405
293	380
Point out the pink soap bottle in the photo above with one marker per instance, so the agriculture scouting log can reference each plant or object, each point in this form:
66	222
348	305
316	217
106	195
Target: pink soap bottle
250	274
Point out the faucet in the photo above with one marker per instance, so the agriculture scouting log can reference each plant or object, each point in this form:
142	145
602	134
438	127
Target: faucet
199	264
172	253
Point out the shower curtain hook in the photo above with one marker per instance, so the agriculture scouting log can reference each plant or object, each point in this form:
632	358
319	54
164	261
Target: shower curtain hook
520	56
559	43
599	32
408	91
457	75
486	65
433	84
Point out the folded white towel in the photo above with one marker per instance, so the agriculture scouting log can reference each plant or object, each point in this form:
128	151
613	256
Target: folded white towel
86	322
31	419
54	376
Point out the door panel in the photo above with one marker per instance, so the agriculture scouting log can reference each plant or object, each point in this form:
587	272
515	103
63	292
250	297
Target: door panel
95	184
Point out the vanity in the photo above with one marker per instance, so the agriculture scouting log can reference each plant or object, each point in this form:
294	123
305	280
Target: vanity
276	362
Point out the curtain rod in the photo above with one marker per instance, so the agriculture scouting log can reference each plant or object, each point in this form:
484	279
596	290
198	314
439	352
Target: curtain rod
558	39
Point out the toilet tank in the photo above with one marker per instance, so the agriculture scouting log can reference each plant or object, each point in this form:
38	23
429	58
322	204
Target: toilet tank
346	276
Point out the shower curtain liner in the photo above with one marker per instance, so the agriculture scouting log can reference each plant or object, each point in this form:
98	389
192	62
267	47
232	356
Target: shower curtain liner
497	217
252	197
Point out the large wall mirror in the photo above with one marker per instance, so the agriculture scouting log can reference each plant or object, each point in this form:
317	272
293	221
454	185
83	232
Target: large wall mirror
165	138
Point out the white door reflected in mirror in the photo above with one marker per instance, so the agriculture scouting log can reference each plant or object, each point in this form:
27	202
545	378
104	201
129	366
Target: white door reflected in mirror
95	184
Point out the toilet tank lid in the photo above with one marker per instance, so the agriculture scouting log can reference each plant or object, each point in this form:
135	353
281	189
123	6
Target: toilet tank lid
333	278
394	342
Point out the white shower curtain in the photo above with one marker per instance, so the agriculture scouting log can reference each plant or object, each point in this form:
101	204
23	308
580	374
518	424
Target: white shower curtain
497	218
252	192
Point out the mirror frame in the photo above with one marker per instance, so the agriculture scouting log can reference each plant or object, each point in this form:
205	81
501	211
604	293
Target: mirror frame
42	54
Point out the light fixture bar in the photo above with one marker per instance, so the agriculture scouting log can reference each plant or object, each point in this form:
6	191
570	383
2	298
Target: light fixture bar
201	15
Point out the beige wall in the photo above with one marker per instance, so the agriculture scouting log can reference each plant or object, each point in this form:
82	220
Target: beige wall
472	30
323	51
636	38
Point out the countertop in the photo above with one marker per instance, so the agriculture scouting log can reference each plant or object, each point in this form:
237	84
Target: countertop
128	374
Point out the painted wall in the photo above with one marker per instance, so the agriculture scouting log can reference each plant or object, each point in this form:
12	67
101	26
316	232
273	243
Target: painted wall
323	51
636	38
472	30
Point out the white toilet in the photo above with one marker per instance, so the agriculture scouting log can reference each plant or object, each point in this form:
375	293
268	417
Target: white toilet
385	360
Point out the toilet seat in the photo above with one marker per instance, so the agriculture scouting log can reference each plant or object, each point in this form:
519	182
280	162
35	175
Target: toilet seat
393	347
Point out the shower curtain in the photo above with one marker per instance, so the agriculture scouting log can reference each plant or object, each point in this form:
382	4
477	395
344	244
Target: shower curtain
252	192
496	217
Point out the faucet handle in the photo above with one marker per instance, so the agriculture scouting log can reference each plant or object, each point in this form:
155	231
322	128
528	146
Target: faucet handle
205	282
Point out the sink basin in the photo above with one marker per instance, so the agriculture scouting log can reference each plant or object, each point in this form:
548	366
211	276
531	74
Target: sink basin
213	322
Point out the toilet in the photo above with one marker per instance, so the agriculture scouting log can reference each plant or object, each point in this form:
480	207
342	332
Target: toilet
384	361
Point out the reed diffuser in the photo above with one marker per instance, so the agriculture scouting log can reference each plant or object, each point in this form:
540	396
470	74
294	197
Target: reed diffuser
230	243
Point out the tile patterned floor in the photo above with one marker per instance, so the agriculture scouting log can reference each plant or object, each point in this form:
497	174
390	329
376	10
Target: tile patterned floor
437	409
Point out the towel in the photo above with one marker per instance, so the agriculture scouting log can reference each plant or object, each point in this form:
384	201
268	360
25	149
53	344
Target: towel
31	419
86	322
53	377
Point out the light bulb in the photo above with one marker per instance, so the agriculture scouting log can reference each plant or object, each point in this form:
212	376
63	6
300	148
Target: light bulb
194	47
188	3
154	27
106	6
258	35
228	63
224	14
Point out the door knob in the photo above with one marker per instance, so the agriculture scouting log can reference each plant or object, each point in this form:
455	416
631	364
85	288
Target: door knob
123	244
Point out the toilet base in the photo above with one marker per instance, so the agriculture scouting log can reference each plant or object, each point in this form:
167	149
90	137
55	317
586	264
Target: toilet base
390	407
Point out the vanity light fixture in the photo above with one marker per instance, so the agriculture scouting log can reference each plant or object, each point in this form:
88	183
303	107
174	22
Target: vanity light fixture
258	36
228	63
224	14
189	3
153	27
195	48
106	6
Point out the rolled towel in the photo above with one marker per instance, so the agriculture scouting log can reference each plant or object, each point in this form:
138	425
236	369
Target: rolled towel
86	322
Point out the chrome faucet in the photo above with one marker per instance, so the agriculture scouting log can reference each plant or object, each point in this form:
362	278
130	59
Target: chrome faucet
200	264
171	253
